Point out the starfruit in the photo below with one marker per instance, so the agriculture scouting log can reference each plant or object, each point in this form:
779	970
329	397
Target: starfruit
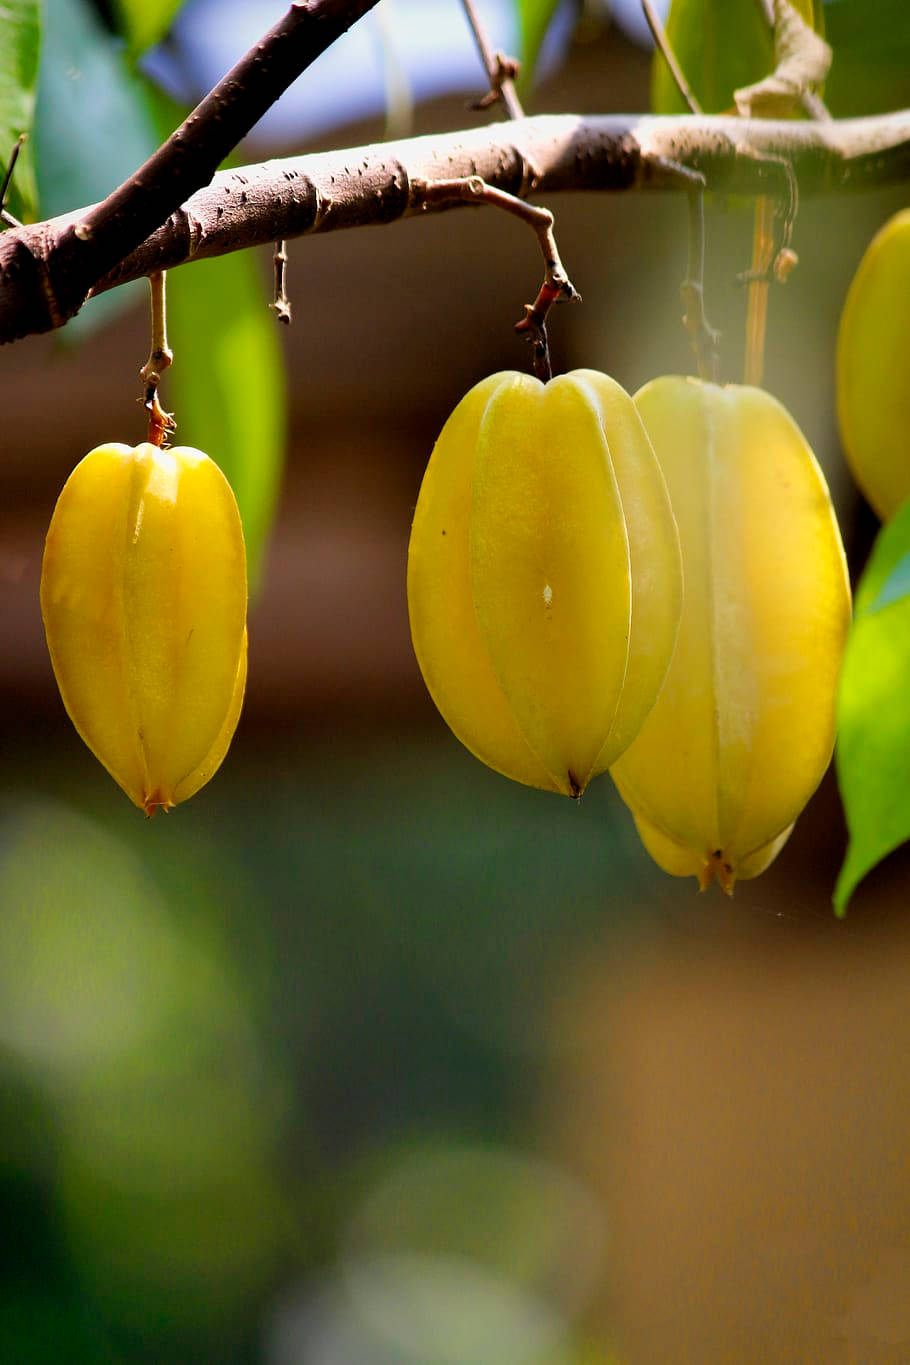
143	594
544	580
873	345
743	729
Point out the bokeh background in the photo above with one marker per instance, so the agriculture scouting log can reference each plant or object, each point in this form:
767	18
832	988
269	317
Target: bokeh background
367	1056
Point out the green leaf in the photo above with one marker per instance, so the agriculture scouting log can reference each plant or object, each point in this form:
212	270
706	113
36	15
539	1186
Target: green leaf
227	385
20	42
871	70
533	21
145	22
873	747
721	46
93	128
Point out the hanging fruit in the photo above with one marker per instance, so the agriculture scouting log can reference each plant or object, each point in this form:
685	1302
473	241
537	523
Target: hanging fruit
744	727
873	397
543	576
143	594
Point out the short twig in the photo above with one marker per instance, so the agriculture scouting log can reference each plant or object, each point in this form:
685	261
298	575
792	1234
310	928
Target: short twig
281	304
161	423
501	70
659	34
556	284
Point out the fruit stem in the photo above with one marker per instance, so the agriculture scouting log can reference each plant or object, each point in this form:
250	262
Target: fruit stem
556	283
161	423
7	181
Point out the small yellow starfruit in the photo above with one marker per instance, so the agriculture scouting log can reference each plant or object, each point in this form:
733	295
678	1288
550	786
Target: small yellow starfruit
544	582
873	343
743	729
144	598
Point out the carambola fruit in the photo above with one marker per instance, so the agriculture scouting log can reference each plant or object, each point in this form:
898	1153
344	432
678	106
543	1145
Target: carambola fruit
744	727
873	356
144	596
543	576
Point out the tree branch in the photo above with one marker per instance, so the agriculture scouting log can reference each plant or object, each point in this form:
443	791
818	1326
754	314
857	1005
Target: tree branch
259	204
62	268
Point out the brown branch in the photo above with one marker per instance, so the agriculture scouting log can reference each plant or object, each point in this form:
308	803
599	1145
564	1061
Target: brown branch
258	205
66	268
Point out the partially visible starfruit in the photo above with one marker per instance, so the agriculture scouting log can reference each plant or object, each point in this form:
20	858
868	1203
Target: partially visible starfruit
543	576
743	729
873	352
144	596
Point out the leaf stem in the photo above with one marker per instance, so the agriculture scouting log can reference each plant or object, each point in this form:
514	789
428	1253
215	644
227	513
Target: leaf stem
659	34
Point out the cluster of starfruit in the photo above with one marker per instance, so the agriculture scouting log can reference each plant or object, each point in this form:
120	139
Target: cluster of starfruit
144	597
652	585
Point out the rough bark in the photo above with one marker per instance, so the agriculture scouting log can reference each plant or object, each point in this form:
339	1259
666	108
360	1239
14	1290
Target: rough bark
384	182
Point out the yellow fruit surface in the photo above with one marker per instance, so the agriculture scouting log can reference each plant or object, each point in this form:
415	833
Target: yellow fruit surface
873	364
143	594
743	729
543	576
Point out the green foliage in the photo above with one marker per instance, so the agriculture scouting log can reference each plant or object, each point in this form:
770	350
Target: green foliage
873	750
19	48
93	127
871	69
227	386
145	22
534	19
721	45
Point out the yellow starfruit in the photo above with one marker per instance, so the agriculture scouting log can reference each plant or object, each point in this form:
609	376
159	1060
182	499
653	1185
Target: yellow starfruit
144	598
873	343
544	580
743	729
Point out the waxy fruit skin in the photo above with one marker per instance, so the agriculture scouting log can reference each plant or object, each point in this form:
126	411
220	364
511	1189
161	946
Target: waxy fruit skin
873	348
744	727
544	579
144	597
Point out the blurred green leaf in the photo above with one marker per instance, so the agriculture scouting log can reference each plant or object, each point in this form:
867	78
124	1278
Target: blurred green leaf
871	69
20	42
93	128
721	45
227	387
873	748
145	22
533	20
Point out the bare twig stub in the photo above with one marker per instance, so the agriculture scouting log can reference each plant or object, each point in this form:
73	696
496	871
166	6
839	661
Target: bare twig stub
257	205
281	304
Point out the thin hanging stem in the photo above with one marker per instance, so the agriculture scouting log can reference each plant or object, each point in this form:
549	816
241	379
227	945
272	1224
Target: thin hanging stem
501	70
705	340
659	34
556	284
281	304
161	423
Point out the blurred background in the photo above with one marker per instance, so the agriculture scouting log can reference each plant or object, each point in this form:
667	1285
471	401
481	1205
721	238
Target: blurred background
366	1056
